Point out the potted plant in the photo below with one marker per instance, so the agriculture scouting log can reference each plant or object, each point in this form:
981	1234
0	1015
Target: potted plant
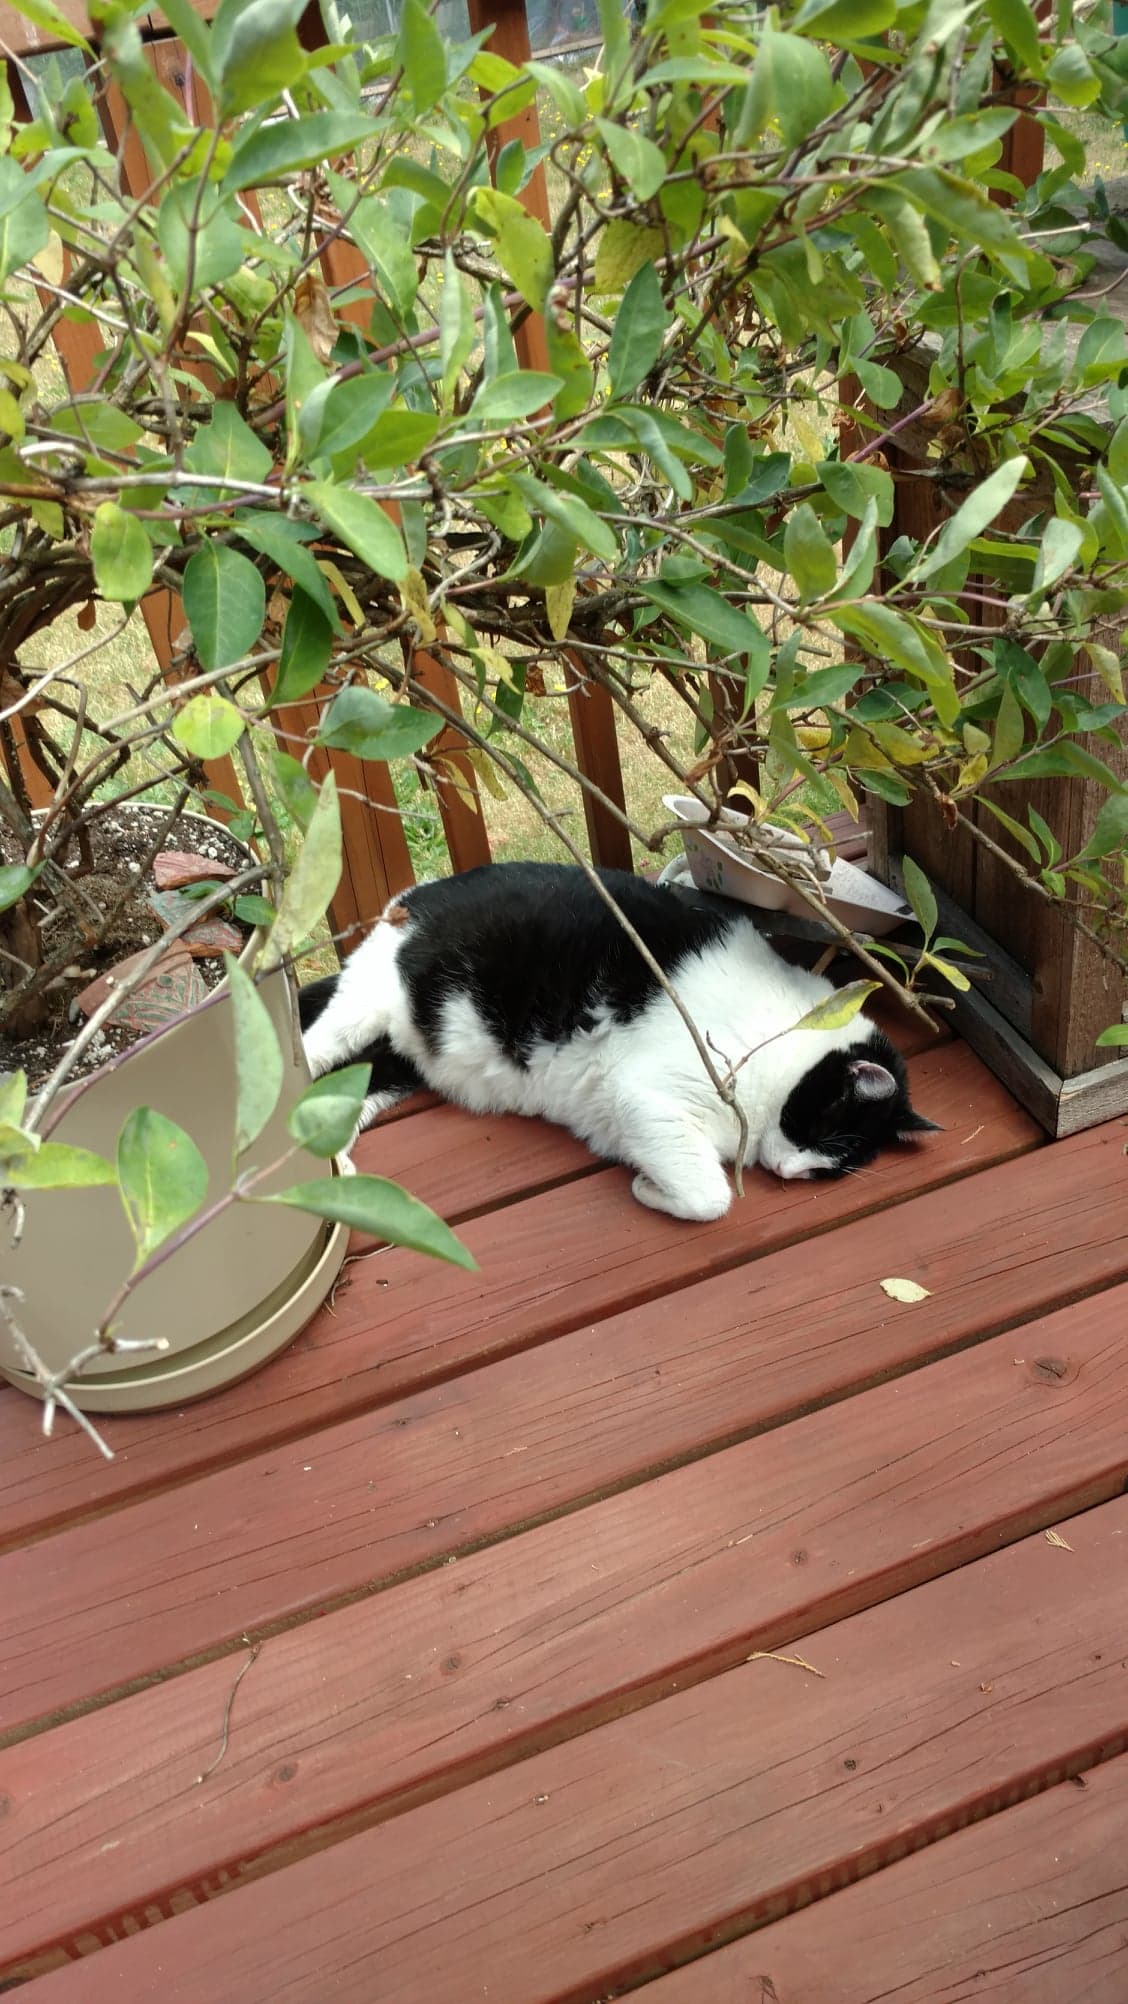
432	426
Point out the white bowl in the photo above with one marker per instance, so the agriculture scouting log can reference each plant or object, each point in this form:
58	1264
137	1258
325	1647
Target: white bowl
717	864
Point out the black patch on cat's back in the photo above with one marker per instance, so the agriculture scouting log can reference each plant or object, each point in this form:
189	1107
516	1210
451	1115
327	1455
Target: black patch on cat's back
539	950
824	1111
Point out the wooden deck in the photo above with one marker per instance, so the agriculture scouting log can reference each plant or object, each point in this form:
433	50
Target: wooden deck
662	1609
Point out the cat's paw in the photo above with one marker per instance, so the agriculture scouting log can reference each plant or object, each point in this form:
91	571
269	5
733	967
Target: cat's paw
699	1207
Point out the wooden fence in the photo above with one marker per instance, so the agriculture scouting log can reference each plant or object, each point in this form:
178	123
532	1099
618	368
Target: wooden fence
1050	991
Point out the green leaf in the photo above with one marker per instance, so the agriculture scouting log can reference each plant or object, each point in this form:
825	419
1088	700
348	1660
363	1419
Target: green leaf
823	687
162	1176
362	524
888	635
421	56
1014	829
1028	680
259	55
273	151
1015	22
371	1204
324	1119
456	325
571	513
313	879
845	20
838	1009
808	553
1061	542
13	1098
700	610
640	326
919	892
1071	76
15	879
259	1064
122	554
517	394
277	538
961	207
364	723
55	1166
24	226
1010	730
307	643
1110	834
201	240
253	910
524	248
228	449
1065	759
790	84
1117	1033
299	794
225	604
850	487
398	437
971	517
386	246
208	725
640	163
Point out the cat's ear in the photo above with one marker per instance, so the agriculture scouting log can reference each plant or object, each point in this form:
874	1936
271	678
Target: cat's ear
915	1123
871	1081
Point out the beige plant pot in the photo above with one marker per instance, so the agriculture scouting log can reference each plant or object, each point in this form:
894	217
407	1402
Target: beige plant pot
226	1301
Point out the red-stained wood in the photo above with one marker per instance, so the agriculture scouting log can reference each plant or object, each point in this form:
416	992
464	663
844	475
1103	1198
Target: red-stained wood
553	1263
539	1433
454	778
468	1669
614	1855
1029	1907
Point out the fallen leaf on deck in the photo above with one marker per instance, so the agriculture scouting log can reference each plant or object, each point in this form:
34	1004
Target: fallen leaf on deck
1052	1538
771	1656
905	1290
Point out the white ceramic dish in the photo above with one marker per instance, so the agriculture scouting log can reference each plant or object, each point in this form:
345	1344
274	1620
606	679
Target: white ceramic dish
717	864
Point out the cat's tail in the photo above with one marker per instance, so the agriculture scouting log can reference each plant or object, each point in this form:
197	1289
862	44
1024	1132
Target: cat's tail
393	1076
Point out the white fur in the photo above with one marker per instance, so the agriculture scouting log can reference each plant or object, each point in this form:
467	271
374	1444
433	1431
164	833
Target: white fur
635	1092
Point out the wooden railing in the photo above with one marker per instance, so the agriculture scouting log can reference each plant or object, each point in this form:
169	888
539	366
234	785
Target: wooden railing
377	859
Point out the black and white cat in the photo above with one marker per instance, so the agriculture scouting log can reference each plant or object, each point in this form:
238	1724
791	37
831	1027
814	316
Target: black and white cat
513	989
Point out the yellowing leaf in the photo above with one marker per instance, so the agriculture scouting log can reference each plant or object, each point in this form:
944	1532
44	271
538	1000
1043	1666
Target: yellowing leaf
343	589
623	249
559	600
905	1290
1107	665
487	772
413	596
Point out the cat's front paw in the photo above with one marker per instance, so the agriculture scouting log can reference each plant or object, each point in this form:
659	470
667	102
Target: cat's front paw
700	1206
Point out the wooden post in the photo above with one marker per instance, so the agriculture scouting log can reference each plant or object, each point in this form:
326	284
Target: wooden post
590	707
1047	991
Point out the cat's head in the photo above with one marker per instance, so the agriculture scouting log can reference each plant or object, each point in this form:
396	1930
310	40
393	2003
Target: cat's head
842	1110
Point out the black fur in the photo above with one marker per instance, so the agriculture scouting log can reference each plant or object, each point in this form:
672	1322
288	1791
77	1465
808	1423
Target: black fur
825	1110
477	938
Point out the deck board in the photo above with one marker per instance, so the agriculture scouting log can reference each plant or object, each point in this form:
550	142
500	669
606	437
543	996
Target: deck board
505	1544
184	1573
470	1667
1030	1907
604	1859
400	1322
